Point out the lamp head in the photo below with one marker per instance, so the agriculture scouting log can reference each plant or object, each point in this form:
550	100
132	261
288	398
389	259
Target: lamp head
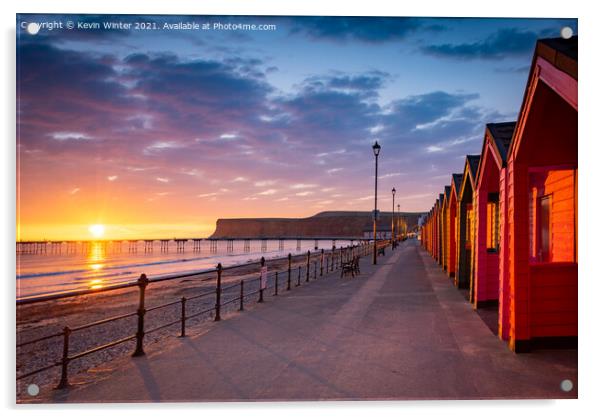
376	148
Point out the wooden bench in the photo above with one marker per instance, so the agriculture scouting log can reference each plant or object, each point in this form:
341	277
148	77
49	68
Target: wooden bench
352	267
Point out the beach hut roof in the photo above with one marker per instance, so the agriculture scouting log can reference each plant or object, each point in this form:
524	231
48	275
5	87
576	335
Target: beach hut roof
473	164
501	133
447	192
456	182
560	53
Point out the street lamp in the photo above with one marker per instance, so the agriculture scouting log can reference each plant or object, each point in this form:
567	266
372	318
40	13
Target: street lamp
398	219
393	220
376	149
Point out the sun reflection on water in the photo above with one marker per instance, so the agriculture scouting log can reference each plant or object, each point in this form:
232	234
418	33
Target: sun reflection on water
96	256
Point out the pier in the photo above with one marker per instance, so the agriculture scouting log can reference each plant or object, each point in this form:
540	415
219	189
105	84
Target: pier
180	245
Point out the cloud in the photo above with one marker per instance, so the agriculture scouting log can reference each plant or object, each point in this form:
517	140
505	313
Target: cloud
365	29
502	43
302	194
388	175
112	178
74	191
264	183
334	170
162	180
268	192
303	186
67	136
205	195
228	136
335	152
161	146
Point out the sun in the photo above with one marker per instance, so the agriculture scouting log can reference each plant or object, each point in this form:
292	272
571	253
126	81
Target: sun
97	230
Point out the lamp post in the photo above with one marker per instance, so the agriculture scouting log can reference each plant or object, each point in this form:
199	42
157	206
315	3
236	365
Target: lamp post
376	149
393	220
398	219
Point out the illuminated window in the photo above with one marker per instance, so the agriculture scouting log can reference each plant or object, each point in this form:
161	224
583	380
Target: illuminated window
493	222
552	216
544	227
469	222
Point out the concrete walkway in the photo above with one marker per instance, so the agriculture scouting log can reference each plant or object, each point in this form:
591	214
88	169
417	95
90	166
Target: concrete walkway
398	331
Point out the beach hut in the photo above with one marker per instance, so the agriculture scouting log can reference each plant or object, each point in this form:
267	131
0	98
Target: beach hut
488	191
452	222
540	292
436	230
440	229
463	279
445	227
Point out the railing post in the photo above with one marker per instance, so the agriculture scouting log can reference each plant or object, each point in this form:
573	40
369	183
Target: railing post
183	317
276	285
332	258
242	295
64	382
327	265
307	272
322	263
218	293
260	282
288	283
142	283
299	277
315	270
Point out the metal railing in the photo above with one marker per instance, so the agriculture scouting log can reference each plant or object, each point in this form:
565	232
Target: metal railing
324	262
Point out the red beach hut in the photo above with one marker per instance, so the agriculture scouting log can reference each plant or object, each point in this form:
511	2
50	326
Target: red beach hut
539	303
440	239
445	227
489	188
463	279
452	222
436	230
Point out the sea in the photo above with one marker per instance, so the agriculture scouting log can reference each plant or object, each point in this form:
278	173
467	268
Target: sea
65	267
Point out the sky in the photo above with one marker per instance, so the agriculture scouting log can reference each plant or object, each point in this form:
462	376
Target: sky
159	132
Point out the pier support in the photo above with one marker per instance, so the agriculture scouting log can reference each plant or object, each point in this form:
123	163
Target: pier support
264	245
181	245
247	246
148	246
196	245
164	245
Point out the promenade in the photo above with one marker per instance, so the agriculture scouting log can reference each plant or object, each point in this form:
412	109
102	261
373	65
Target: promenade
400	330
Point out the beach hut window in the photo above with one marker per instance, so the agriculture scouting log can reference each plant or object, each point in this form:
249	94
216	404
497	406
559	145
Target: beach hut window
469	221
552	216
493	220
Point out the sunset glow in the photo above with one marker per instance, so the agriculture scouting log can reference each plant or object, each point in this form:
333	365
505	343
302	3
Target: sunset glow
97	230
159	135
